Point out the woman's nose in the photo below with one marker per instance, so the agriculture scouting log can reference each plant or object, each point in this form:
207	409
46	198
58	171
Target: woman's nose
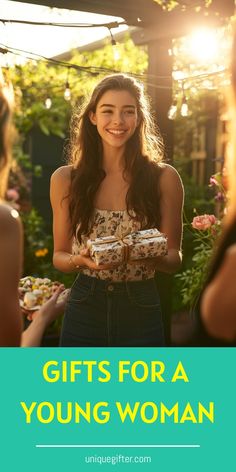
118	118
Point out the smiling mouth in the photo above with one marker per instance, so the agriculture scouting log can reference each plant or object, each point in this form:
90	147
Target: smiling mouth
116	132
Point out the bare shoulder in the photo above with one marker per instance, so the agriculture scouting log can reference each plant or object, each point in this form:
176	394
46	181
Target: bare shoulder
61	180
170	178
62	174
11	244
10	222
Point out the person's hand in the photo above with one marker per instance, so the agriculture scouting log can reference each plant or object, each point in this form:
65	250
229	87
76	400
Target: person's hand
53	307
48	312
85	260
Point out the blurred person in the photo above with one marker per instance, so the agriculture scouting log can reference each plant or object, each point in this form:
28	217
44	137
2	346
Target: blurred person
218	300
11	251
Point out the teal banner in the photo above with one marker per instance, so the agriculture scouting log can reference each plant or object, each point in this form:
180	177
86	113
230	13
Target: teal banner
117	409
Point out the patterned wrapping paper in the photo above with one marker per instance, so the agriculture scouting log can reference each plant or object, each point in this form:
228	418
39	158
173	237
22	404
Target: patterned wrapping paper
134	246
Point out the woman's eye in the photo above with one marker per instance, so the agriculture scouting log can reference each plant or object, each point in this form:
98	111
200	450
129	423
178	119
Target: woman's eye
107	111
129	112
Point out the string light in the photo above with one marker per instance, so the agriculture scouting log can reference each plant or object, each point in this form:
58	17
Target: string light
184	81
184	110
94	70
184	107
48	103
98	70
113	24
116	52
67	92
172	112
113	41
115	48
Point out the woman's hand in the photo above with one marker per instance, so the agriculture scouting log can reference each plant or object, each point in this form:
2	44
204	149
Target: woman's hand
48	312
52	308
84	260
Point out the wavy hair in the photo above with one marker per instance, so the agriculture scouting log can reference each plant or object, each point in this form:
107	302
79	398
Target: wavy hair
5	141
231	154
228	236
143	154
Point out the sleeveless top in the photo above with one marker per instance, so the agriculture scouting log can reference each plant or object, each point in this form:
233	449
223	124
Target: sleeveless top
114	223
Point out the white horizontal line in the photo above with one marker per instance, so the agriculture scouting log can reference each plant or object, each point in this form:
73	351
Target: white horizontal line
119	445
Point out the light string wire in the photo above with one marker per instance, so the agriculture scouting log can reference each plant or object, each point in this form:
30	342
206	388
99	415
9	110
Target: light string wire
96	69
183	83
111	24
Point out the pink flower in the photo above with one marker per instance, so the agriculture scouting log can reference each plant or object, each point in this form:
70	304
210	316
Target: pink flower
203	222
219	197
12	194
216	179
213	181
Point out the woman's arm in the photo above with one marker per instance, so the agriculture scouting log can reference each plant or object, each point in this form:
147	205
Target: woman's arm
53	308
218	307
63	259
59	191
171	209
10	272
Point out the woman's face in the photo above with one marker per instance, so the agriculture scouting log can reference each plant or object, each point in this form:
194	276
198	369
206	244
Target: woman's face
116	118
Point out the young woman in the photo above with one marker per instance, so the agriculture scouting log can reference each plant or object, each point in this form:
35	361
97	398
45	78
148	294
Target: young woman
218	301
115	183
11	253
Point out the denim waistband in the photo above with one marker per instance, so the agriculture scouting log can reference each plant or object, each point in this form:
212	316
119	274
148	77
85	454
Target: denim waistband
110	286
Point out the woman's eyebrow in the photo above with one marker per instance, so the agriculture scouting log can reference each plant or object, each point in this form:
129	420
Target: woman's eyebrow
113	106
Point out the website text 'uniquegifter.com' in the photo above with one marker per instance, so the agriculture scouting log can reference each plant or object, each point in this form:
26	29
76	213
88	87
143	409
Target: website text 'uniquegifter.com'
117	459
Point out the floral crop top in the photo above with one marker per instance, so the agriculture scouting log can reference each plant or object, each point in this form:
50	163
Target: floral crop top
114	223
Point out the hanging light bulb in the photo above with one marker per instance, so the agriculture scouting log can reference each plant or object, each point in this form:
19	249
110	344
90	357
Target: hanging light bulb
113	41
172	112
115	48
116	52
67	93
48	103
184	107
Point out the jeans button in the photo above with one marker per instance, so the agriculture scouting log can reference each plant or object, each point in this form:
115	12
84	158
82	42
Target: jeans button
110	288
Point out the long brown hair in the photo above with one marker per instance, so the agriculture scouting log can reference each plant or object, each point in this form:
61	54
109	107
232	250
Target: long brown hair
231	155
5	127
143	153
228	236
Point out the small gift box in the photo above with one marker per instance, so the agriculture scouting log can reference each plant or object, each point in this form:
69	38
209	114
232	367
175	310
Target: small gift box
134	246
145	244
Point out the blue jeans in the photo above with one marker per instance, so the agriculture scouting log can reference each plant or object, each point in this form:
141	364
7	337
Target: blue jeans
112	314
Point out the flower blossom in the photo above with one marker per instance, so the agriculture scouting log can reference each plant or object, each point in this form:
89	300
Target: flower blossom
203	222
219	197
213	181
12	194
41	252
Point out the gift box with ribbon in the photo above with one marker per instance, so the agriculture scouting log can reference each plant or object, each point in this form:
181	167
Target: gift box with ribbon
134	246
